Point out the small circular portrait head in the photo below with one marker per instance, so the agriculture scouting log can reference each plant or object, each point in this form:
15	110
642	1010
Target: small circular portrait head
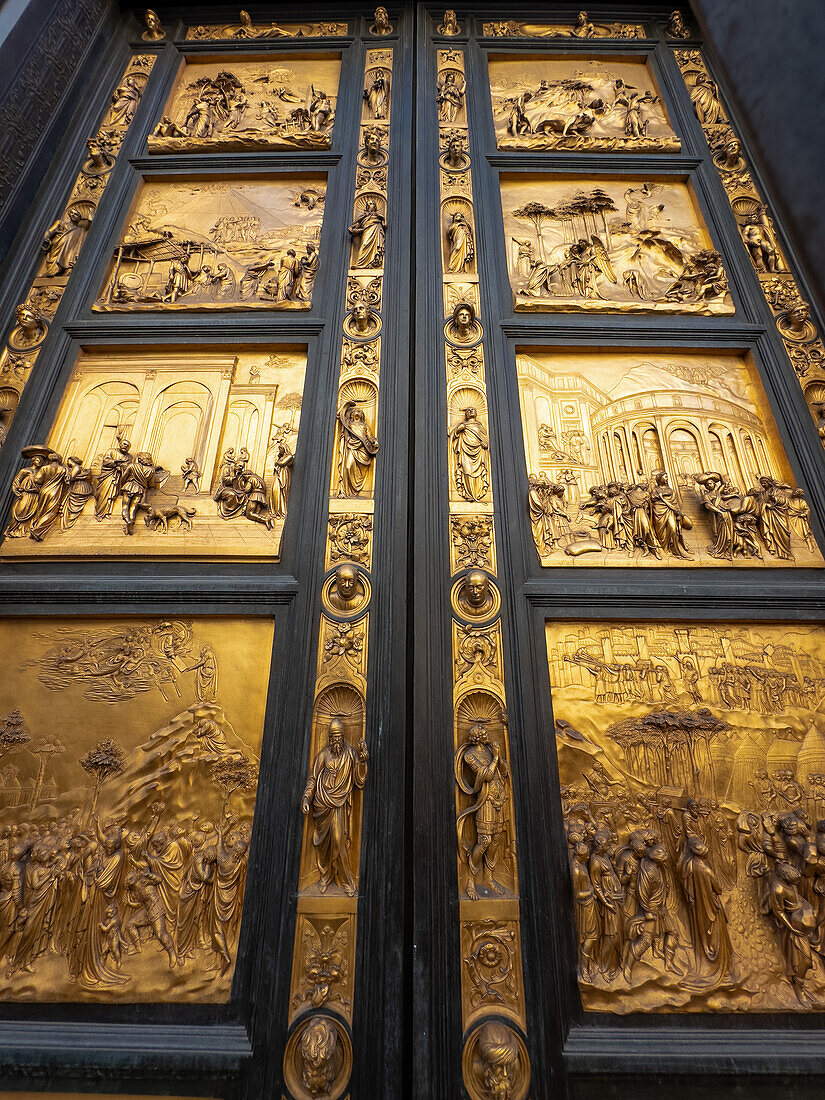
346	591
381	24
495	1063
362	322
475	596
463	328
154	31
318	1059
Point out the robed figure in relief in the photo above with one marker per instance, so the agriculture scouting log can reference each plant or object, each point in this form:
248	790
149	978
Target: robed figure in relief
358	448
370	231
460	244
471	446
338	770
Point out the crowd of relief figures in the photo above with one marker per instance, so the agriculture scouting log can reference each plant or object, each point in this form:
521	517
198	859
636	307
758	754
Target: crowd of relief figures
659	459
126	805
589	105
185	453
617	246
692	769
218	245
247	105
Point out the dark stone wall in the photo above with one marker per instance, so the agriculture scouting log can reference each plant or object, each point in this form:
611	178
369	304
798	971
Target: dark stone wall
772	53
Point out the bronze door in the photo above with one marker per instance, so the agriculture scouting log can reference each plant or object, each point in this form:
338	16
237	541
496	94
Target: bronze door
411	565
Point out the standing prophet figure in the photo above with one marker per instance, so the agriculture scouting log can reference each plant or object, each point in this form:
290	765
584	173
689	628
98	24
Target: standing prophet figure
370	231
336	773
460	243
357	450
481	758
471	445
377	95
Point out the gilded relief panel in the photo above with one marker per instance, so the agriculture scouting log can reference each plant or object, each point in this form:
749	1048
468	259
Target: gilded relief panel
246	29
610	245
284	102
164	454
692	769
581	27
657	458
578	103
130	753
218	245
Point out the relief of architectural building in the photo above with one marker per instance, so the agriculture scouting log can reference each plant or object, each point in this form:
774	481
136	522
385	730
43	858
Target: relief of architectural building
692	768
183	454
658	459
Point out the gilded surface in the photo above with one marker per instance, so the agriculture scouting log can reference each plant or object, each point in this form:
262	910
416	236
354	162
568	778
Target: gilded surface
692	769
318	1056
657	459
616	245
126	822
64	239
581	27
246	29
495	1062
164	454
218	245
800	334
287	102
571	103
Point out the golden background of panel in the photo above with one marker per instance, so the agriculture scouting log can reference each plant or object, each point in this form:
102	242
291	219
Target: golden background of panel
206	406
692	770
131	753
610	244
218	244
596	419
589	104
284	102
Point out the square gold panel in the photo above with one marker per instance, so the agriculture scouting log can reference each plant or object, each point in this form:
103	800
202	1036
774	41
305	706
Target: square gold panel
692	769
164	453
130	751
241	105
610	245
215	244
658	459
588	104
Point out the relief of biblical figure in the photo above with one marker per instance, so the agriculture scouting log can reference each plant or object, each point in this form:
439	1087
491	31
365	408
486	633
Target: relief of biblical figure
483	775
369	231
692	769
357	450
619	247
337	772
554	103
460	244
471	449
252	105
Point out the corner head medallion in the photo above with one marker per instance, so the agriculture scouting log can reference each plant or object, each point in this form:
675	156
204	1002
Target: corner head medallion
463	328
381	23
318	1059
475	596
362	322
372	154
454	159
495	1063
449	26
676	27
346	592
30	330
154	31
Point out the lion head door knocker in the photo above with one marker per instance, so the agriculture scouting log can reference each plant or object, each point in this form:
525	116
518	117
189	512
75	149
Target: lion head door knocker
346	591
495	1063
463	329
476	597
